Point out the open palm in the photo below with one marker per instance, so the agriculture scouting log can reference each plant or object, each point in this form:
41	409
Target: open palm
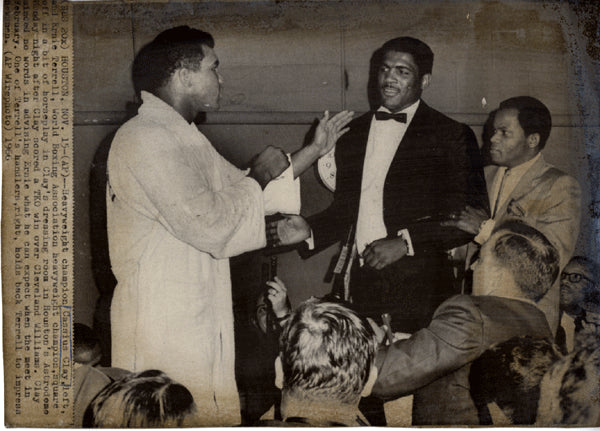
329	130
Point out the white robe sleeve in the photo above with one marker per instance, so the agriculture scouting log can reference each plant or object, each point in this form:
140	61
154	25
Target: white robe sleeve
282	194
220	219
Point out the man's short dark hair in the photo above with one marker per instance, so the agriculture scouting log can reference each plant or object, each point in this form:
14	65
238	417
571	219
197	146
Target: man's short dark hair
531	258
147	399
326	352
420	51
172	49
534	116
510	374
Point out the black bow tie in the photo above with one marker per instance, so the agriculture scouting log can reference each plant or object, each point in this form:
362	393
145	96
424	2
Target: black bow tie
382	116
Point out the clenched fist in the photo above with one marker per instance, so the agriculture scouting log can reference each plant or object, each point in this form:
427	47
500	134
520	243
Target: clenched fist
268	164
383	252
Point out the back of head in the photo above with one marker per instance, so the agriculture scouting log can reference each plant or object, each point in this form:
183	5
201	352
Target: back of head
86	346
569	391
509	375
534	116
326	352
172	49
532	260
420	51
141	400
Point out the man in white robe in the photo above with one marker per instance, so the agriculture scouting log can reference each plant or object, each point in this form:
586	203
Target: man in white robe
176	212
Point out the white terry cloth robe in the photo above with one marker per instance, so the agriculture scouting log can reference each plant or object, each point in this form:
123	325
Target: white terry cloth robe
176	212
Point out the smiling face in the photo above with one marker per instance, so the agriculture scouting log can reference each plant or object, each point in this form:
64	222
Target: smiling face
509	145
398	79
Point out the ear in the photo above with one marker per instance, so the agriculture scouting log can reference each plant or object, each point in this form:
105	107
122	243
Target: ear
182	76
278	373
425	81
533	140
370	382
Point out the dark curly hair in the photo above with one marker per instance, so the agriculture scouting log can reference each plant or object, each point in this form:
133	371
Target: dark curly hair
172	49
533	115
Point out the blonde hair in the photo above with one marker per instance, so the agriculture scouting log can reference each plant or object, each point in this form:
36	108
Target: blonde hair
141	400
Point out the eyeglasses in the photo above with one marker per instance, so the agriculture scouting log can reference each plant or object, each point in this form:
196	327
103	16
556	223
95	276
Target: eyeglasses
573	277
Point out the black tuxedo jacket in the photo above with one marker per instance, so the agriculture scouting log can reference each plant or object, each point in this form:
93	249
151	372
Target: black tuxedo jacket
436	170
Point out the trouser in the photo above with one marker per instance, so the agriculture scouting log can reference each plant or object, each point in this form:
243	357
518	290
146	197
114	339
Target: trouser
409	290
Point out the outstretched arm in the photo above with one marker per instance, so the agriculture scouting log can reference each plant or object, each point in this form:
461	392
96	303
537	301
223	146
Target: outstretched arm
268	164
452	339
326	135
292	229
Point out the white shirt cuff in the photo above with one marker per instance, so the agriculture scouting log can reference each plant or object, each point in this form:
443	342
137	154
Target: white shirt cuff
282	194
310	241
403	233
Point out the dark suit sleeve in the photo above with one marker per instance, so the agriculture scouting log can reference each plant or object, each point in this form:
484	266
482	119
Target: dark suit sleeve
328	227
461	183
453	339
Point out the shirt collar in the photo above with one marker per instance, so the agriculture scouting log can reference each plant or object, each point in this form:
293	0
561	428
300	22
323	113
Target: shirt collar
409	111
523	167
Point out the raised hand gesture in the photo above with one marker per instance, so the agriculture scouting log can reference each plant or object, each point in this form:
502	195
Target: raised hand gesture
329	130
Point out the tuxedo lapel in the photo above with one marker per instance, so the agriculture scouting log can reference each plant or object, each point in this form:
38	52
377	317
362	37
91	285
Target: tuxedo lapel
360	135
417	131
350	154
358	150
416	138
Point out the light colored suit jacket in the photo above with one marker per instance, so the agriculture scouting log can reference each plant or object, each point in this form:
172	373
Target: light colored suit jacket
434	363
549	200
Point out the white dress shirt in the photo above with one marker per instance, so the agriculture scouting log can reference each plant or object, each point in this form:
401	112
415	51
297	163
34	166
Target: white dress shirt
384	139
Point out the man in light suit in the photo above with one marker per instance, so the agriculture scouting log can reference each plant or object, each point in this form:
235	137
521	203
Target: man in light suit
516	267
401	170
522	185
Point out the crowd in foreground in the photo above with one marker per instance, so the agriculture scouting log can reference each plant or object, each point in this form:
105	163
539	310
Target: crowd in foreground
486	358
